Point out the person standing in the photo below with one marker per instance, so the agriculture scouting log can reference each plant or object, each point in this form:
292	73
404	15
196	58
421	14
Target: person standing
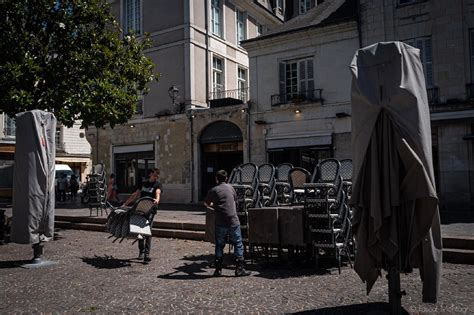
149	188
74	186
112	189
62	187
222	199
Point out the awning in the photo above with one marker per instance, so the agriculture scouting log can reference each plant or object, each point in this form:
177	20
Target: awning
70	159
298	140
133	148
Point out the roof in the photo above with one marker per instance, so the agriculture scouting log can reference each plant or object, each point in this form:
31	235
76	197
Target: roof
327	13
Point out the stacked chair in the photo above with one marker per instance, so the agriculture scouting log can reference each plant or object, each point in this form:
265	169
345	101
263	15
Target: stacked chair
327	219
297	178
266	185
282	184
97	189
244	179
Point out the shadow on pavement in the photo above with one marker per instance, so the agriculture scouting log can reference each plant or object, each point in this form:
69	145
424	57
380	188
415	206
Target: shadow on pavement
13	263
197	269
357	309
106	262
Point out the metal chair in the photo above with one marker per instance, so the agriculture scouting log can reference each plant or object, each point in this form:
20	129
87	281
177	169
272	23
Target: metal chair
298	177
266	185
346	173
282	185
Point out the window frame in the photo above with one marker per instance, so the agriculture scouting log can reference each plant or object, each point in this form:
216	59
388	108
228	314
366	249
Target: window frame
125	21
242	90
304	6
217	25
215	72
260	29
9	126
300	78
243	14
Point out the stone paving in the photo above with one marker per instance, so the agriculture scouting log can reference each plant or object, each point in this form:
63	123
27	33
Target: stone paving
93	274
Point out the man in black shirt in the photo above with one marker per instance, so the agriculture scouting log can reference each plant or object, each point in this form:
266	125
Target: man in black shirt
149	188
222	198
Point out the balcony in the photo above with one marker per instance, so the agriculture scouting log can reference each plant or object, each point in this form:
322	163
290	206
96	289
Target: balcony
310	96
228	97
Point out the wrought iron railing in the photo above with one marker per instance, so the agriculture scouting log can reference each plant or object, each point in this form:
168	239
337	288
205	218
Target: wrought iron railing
239	94
299	97
9	129
433	95
470	91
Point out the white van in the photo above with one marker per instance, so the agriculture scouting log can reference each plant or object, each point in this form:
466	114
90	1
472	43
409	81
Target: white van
61	169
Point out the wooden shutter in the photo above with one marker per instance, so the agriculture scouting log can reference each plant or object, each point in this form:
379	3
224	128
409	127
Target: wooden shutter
282	78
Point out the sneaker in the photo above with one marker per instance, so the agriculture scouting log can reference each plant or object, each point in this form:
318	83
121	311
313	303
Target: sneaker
146	259
141	256
217	272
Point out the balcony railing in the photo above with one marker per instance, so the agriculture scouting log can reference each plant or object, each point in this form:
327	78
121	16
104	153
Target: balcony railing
299	97
433	95
9	129
470	91
228	97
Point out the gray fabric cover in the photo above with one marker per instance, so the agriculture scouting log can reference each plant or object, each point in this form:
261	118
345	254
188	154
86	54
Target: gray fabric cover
33	182
393	168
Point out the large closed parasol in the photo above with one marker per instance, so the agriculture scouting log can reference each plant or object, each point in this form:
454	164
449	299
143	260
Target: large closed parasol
396	218
33	182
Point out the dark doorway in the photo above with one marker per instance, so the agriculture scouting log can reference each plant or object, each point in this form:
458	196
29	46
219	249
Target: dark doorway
132	168
221	148
305	157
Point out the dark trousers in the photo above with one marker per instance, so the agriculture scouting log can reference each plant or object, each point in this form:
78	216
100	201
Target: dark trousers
144	245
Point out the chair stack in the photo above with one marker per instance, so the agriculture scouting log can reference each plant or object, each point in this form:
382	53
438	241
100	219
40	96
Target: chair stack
97	189
282	184
244	179
327	220
266	185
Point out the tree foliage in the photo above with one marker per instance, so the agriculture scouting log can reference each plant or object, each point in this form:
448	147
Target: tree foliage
70	58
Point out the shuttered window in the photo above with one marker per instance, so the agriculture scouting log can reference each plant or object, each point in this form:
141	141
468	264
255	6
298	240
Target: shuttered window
296	79
426	56
132	16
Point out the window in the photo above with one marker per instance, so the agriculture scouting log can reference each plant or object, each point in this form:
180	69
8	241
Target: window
216	18
9	126
259	29
424	45
132	14
306	5
241	26
242	83
279	6
217	75
297	79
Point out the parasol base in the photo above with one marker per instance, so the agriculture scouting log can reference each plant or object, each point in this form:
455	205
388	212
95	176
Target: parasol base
37	261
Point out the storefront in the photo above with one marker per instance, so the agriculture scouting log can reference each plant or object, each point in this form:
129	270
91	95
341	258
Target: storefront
132	163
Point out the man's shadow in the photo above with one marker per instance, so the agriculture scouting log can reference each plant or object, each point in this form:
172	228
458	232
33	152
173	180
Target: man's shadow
197	269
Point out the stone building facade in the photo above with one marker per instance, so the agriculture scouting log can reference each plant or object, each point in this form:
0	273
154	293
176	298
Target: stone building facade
193	121
444	31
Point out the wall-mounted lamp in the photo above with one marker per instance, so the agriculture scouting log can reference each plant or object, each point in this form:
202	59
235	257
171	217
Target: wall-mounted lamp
132	126
297	111
243	110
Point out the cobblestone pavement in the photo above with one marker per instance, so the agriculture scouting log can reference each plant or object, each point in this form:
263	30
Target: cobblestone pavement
93	274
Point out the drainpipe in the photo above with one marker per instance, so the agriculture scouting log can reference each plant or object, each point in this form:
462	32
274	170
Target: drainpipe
191	131
206	25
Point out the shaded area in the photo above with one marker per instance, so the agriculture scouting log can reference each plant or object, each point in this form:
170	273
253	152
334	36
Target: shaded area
106	262
197	269
357	309
13	263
